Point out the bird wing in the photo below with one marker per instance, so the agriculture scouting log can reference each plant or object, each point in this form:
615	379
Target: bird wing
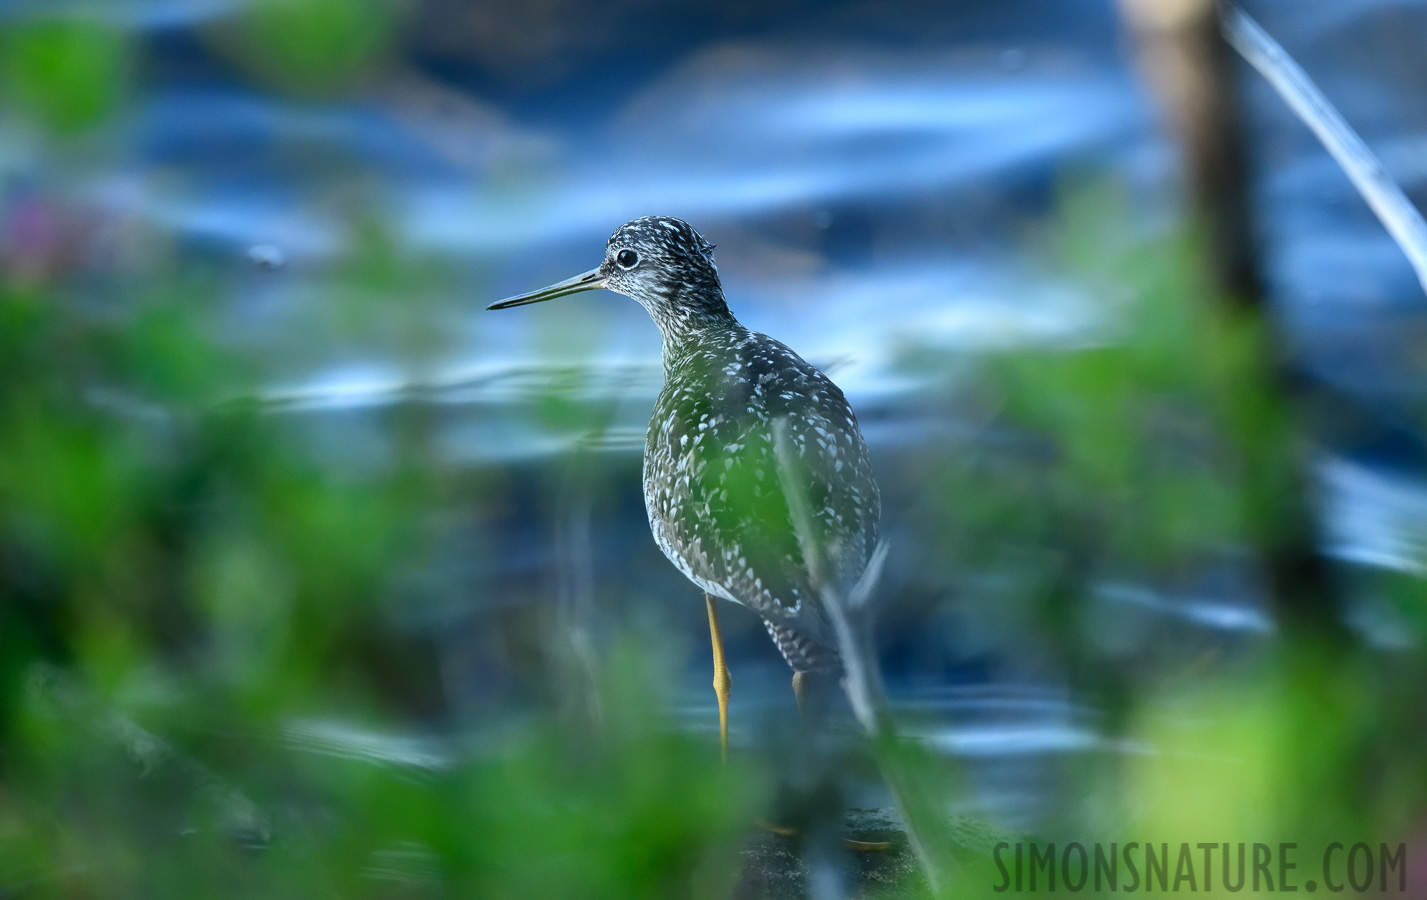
724	518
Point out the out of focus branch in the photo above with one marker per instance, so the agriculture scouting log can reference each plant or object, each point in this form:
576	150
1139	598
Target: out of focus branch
849	610
1366	171
1183	55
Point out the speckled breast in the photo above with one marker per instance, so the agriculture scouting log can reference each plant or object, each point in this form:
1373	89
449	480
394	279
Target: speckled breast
712	481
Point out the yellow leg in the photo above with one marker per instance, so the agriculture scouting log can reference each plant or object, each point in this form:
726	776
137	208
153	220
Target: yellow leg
800	690
722	683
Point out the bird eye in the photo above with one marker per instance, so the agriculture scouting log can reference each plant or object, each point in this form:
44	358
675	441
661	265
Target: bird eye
627	259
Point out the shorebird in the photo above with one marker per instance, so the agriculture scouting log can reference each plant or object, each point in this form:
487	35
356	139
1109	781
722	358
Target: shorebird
741	423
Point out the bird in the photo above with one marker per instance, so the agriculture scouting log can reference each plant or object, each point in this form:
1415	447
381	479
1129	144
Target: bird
757	480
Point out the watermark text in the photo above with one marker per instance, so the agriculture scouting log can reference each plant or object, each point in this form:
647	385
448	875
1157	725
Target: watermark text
1171	868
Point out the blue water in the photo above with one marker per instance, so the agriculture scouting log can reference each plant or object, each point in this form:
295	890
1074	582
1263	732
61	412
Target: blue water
871	174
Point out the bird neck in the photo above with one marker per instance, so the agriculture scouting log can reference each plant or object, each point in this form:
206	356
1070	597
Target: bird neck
688	312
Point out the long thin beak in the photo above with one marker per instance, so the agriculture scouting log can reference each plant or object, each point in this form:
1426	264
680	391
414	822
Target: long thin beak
589	281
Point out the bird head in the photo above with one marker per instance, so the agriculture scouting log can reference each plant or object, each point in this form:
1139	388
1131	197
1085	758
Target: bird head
660	261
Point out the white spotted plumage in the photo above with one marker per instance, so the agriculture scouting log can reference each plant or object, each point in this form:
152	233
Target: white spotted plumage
711	481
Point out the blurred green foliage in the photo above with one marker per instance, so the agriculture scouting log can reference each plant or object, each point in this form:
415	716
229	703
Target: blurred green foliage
66	73
1118	460
185	580
1132	460
312	46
